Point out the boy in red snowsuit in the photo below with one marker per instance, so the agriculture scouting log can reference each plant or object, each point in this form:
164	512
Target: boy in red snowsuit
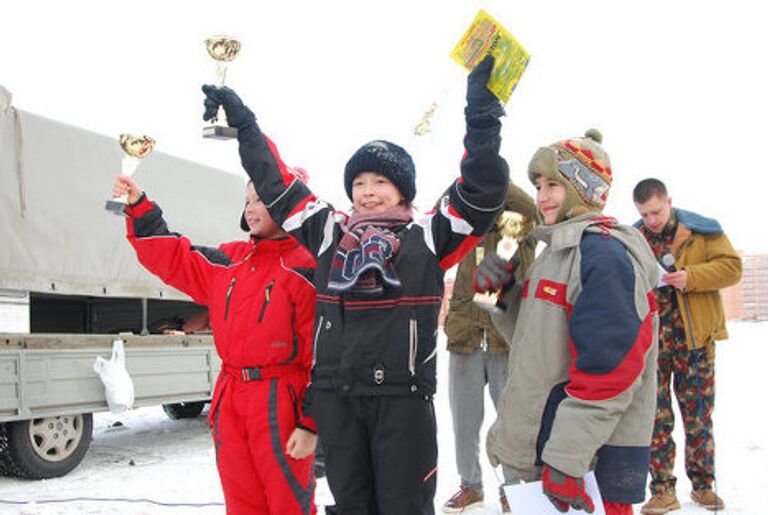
261	302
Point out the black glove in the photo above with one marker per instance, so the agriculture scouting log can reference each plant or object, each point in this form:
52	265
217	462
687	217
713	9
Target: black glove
493	273
238	114
480	100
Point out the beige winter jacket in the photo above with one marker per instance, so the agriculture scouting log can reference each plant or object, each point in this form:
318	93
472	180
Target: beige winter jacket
581	381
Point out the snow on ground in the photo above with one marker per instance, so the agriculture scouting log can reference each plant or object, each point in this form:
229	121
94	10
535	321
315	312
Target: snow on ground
149	460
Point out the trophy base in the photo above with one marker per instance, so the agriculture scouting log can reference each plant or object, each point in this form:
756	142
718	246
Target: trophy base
115	207
219	132
490	302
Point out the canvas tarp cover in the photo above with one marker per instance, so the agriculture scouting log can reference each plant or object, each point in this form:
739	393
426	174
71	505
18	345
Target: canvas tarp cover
56	236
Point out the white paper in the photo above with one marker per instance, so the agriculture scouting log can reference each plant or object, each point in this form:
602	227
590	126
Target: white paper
528	498
662	271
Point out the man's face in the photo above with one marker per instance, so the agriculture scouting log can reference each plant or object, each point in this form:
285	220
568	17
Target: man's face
655	212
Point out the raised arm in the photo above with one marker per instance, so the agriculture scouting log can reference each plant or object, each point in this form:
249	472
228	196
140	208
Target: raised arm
168	255
474	200
289	201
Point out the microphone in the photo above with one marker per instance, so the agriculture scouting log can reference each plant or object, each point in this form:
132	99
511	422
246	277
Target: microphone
668	262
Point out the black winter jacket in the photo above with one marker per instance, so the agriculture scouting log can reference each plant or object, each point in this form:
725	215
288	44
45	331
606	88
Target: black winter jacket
385	345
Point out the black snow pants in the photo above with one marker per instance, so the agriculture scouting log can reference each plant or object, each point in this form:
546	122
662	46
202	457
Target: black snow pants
380	452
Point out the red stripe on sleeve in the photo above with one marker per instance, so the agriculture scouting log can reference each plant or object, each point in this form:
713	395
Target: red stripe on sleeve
288	177
452	211
137	211
298	208
454	257
140	209
592	387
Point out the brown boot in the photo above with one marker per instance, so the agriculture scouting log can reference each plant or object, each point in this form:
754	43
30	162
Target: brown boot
462	500
661	503
504	504
707	499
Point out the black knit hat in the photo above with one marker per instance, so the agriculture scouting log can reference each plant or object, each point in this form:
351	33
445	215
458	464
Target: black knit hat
387	159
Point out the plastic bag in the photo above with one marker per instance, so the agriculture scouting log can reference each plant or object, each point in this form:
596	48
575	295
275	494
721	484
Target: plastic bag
118	385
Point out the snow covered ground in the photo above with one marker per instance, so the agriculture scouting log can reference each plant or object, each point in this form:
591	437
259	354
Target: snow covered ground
153	465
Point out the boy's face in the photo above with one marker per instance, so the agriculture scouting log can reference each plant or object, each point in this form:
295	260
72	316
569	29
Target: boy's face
550	195
374	193
655	212
257	217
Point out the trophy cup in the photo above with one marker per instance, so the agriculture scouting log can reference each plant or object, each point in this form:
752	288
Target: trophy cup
222	49
135	148
512	229
423	126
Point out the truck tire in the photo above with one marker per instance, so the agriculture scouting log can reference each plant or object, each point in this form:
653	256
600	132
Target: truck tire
43	448
180	410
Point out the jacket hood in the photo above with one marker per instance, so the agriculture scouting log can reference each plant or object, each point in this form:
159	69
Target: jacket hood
694	221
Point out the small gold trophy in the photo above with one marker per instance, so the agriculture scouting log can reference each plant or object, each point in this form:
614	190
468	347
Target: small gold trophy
135	148
512	229
222	49
423	126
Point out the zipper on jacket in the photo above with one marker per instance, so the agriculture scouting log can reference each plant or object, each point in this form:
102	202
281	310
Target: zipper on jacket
229	296
317	337
413	346
267	292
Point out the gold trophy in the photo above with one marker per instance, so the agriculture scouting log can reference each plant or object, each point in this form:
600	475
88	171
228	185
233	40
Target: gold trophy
511	226
222	49
135	148
423	126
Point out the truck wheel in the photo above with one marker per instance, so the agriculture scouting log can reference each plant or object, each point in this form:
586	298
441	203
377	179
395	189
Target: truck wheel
183	410
43	448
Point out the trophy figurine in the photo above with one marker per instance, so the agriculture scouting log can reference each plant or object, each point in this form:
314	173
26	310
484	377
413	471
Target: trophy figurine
512	229
135	148
222	49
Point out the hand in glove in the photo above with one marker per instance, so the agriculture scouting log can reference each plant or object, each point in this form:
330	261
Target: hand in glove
480	100
493	273
565	491
238	114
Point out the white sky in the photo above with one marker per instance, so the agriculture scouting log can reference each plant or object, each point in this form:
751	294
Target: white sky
677	88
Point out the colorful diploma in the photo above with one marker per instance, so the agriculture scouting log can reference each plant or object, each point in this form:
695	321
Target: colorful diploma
486	36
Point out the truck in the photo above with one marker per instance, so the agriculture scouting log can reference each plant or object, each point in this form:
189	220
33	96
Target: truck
70	285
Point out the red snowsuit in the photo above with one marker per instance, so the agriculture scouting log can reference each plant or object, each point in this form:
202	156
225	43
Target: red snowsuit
261	302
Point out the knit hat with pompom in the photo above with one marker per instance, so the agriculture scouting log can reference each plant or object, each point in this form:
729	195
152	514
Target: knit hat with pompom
582	166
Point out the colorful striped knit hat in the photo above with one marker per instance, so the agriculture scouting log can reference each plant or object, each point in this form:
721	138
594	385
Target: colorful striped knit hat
582	165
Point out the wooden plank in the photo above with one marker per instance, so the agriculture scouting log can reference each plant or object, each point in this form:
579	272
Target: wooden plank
86	341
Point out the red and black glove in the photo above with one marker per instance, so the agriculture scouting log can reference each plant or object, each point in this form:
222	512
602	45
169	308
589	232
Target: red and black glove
565	491
493	274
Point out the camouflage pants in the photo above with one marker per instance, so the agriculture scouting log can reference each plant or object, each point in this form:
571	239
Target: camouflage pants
693	378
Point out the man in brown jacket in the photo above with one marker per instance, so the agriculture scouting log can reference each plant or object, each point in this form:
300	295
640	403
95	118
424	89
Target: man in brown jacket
478	356
700	261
